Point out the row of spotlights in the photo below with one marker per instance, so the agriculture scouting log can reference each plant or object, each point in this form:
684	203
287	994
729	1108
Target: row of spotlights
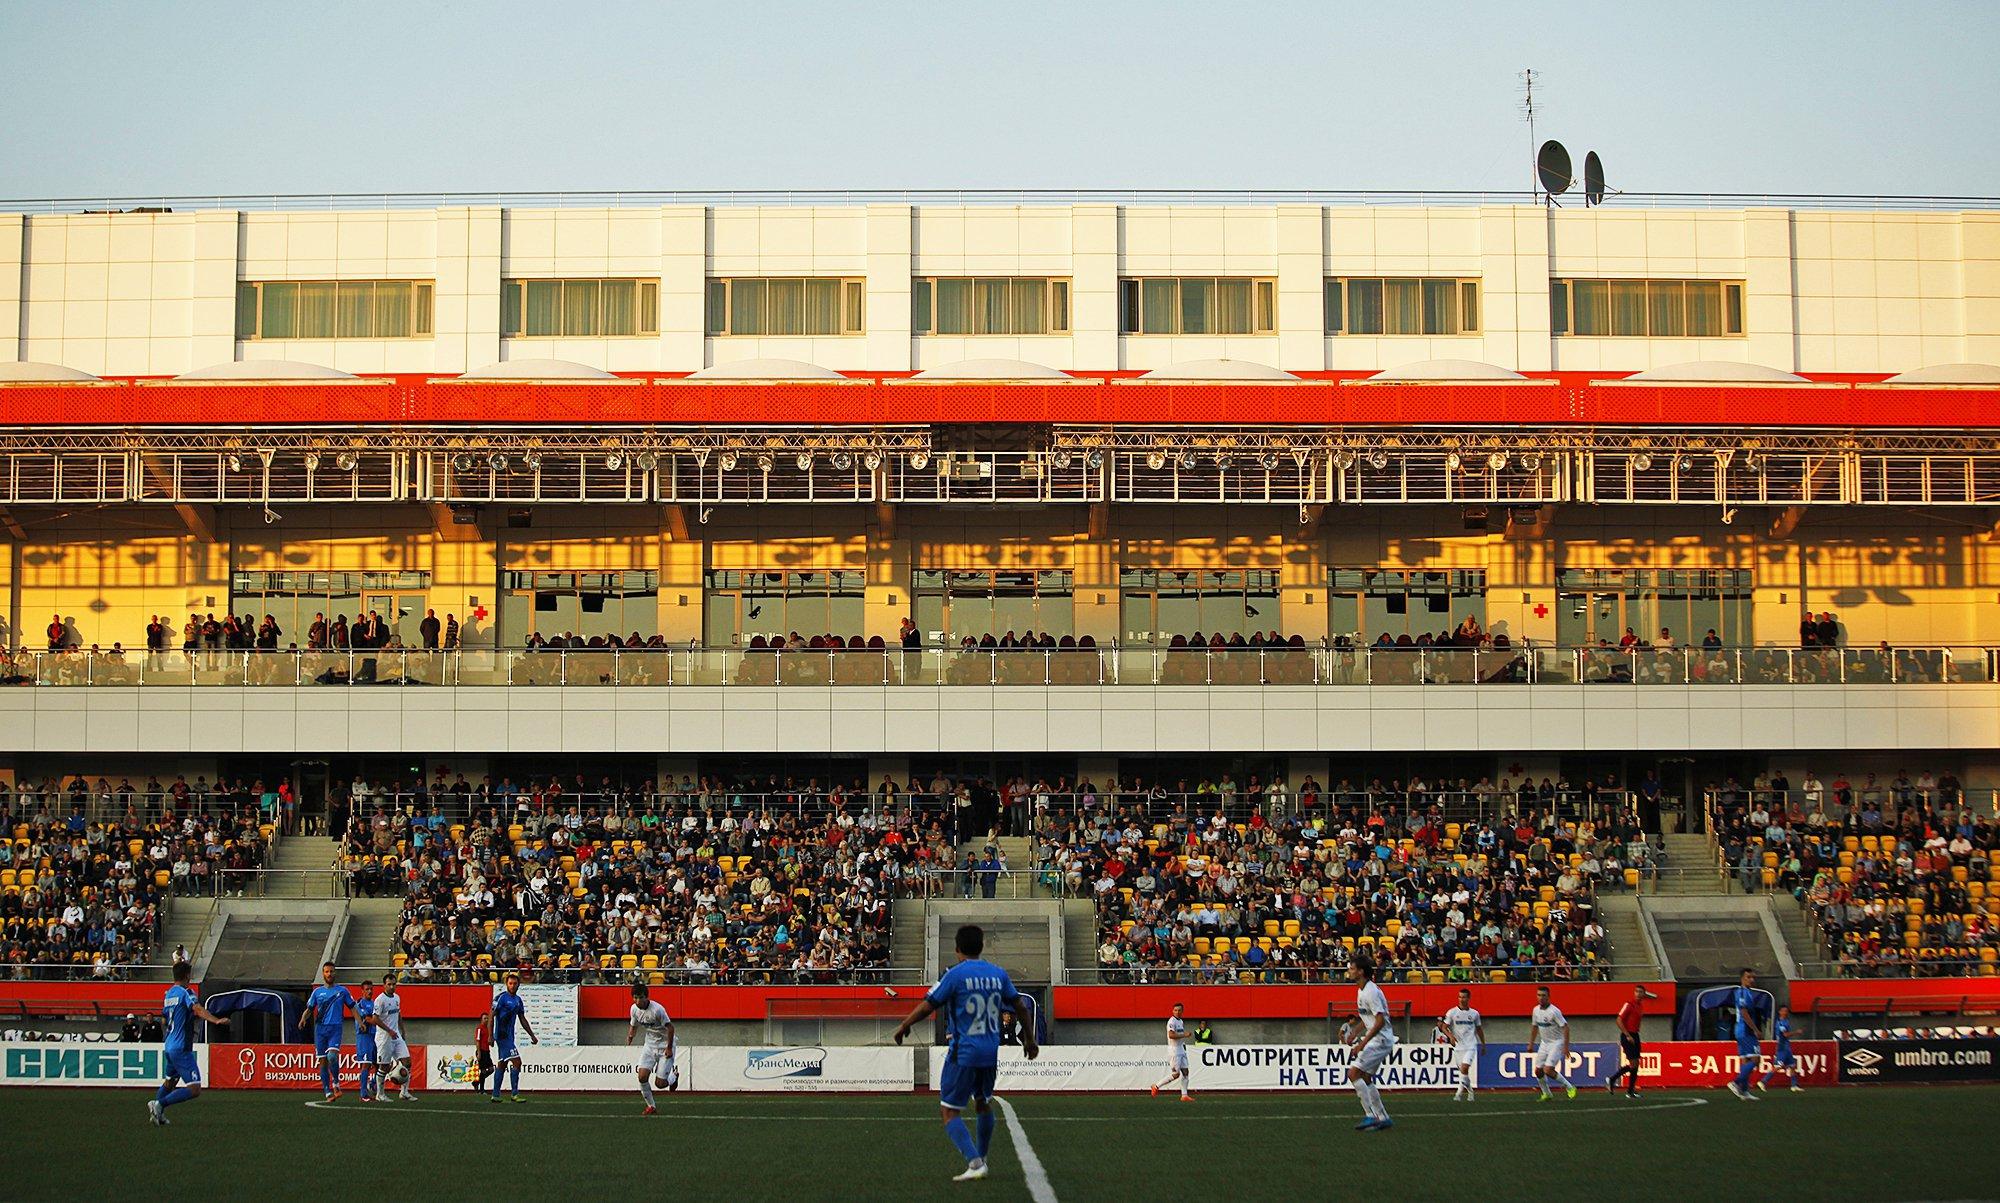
346	461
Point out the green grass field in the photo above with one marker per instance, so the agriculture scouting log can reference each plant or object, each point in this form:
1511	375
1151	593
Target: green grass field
1854	1143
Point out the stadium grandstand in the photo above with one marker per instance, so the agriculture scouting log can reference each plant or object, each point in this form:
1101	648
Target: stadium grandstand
731	595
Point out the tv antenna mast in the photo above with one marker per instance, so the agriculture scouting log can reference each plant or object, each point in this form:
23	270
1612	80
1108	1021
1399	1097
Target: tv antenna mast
1528	114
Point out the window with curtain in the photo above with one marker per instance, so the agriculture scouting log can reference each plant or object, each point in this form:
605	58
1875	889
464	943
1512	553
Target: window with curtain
581	308
1422	305
1647	308
269	309
1198	305
782	306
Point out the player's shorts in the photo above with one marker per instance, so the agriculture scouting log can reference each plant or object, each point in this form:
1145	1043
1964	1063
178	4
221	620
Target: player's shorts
1628	1042
1374	1053
959	1086
326	1040
485	1062
1548	1056
1178	1058
650	1058
365	1053
1465	1056
504	1051
1746	1046
388	1049
184	1066
1785	1058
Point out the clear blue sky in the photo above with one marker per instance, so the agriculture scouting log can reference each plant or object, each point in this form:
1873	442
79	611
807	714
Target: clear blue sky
190	96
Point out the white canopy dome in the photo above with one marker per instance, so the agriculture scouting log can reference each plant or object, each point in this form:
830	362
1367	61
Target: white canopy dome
30	372
1717	371
992	369
267	369
537	369
1950	373
766	369
1218	369
1447	370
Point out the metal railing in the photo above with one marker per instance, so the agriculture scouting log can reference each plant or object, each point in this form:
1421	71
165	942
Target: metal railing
1391	975
646	198
590	970
1111	665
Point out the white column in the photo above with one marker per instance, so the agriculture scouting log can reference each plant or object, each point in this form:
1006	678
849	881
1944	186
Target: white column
1094	287
1514	274
683	288
1301	288
887	318
11	230
1768	308
1979	251
212	337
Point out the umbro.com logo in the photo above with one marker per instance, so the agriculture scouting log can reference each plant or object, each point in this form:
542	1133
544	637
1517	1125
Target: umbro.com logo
1862	1058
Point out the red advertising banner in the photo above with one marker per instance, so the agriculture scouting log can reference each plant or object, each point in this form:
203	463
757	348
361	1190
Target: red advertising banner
291	1067
1703	1063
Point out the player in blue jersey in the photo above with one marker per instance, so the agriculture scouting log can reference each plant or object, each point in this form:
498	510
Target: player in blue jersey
183	1081
1748	1000
508	1009
973	995
1783	1060
326	1010
364	1038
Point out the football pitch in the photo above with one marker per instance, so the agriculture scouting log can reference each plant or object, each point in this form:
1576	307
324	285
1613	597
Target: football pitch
1851	1143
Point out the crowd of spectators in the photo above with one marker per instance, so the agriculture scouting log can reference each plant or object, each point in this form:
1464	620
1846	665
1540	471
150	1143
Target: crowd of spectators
85	869
625	881
1194	896
1898	877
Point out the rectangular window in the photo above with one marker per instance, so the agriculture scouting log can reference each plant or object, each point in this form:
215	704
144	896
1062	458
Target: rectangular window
790	306
587	308
1158	604
1646	308
1597	606
1363	604
1371	305
1198	305
271	309
585	604
745	604
949	605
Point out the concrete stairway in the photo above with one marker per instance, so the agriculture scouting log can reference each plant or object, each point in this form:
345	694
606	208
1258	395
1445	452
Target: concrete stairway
1631	952
369	942
305	868
1020	852
1080	940
187	922
906	936
1798	933
1690	868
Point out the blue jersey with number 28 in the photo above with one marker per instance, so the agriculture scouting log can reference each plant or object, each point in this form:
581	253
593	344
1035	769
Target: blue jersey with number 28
974	996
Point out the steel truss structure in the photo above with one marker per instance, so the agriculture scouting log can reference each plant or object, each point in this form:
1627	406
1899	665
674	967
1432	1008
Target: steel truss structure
709	466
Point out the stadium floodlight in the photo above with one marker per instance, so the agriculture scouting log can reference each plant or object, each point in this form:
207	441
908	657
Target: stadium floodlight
312	461
1753	463
766	462
235	462
804	460
1156	459
346	461
532	460
1497	461
1186	460
1642	462
1093	458
843	460
1343	459
497	462
1531	461
1270	460
872	460
647	461
1686	463
1060	459
1378	459
728	461
1454	462
920	459
614	462
461	463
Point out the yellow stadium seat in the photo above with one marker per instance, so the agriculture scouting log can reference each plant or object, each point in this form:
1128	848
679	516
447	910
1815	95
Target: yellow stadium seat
1770	877
1770	860
1201	945
1242	944
1631	879
1270	927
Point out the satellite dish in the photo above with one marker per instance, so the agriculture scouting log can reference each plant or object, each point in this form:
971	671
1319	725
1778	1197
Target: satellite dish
1593	179
1552	167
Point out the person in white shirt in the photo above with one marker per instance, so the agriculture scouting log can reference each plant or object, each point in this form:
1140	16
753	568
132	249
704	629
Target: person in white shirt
1372	1044
1177	1054
1465	1030
1548	1035
656	1057
392	1052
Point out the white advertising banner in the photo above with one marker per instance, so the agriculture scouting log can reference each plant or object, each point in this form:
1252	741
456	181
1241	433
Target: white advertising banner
1214	1067
56	1063
611	1067
552	1011
805	1068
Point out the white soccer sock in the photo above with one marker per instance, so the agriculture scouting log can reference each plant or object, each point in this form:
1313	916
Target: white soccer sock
1563	1080
1163	1083
1184	1086
646	1090
1371	1100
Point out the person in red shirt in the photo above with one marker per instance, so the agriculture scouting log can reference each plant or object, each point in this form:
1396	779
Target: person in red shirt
1630	1016
483	1038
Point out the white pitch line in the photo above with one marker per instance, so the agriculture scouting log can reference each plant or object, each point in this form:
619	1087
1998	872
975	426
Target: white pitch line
1031	1166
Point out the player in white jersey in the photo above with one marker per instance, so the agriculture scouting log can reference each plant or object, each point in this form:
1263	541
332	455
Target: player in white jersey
1549	1035
392	1052
1371	1046
1177	1054
1465	1030
656	1056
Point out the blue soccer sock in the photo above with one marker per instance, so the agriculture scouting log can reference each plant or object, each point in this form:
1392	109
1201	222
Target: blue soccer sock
367	1079
326	1083
1743	1074
499	1073
514	1079
961	1137
178	1095
987	1120
160	1095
